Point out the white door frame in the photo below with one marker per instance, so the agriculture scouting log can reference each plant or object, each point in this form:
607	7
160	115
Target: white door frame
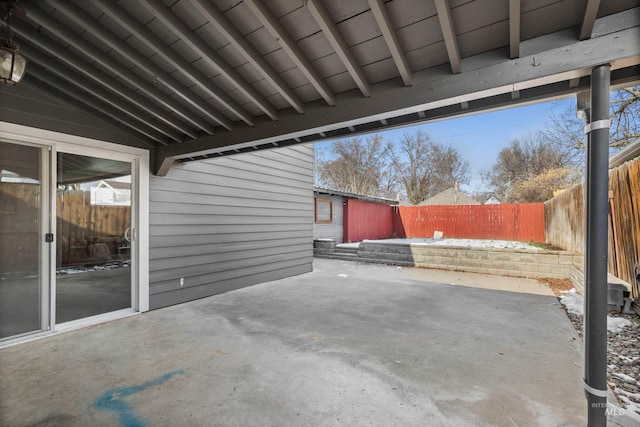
139	159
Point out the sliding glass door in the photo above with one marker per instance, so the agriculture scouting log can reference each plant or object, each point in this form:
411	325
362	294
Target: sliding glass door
23	277
93	235
69	250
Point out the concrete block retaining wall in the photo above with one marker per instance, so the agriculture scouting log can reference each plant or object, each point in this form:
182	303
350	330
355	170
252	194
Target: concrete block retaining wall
324	246
576	274
508	262
505	262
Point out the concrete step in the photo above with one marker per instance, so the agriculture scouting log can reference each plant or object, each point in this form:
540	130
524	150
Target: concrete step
345	250
353	254
351	257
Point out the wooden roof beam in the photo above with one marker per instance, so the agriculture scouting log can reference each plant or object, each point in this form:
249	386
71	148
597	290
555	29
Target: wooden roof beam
247	50
588	19
337	41
64	55
57	28
275	28
107	36
208	54
87	49
391	38
483	83
162	49
61	95
514	29
449	34
71	91
88	86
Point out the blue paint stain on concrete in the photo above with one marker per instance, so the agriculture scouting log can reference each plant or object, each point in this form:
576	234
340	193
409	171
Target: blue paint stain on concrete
112	400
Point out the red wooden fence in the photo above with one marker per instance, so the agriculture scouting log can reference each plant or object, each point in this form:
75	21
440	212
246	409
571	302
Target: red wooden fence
520	222
366	220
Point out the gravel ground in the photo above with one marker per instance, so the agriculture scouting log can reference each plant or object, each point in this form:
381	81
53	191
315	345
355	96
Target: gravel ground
623	359
623	351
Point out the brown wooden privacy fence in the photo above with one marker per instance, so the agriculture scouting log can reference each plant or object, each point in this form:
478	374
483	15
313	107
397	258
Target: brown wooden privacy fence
565	222
624	235
79	225
19	227
521	222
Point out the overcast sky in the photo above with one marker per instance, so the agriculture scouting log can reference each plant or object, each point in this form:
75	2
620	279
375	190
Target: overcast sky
480	137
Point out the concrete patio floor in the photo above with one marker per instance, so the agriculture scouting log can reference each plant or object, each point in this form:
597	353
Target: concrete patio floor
349	344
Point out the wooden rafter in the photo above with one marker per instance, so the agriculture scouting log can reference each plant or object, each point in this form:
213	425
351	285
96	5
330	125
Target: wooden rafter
330	29
195	42
125	49
391	38
449	34
154	43
240	43
588	19
514	29
35	14
278	32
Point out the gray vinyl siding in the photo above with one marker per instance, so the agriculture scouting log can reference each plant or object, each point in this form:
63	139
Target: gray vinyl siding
334	229
230	222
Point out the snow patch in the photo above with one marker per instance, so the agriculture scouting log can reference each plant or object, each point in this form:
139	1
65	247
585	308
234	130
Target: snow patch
348	245
627	359
626	378
109	266
575	305
342	275
573	302
616	324
467	243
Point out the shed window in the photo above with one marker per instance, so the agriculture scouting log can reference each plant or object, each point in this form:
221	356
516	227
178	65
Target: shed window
324	210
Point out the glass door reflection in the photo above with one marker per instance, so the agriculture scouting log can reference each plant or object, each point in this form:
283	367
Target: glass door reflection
21	240
93	249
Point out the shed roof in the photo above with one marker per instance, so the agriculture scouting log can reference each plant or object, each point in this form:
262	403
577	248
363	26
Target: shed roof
450	196
629	152
319	190
118	185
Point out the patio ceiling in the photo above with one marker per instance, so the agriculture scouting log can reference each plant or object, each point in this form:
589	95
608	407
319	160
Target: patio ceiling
192	79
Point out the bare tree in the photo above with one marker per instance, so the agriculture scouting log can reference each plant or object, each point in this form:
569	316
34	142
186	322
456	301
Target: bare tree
425	167
567	131
358	166
411	165
448	168
625	116
527	161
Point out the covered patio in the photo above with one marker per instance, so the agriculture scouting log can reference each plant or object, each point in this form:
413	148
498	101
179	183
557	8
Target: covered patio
170	86
348	344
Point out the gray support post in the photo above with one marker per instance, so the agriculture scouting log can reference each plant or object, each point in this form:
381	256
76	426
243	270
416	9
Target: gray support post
596	203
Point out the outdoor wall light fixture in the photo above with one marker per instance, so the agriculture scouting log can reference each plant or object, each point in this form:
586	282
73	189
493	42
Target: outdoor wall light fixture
12	63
